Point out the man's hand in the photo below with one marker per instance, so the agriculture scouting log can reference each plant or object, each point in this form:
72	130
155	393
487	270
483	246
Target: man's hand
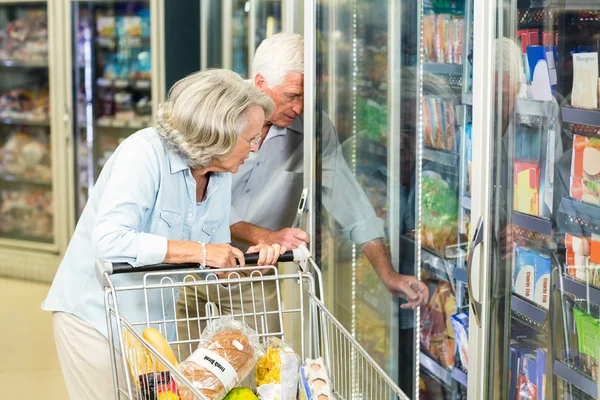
290	238
407	287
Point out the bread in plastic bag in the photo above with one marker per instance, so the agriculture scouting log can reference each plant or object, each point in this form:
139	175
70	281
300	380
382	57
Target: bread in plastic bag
277	372
227	353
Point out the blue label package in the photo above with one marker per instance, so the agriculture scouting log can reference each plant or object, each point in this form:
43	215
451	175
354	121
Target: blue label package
524	273
460	323
543	267
541	370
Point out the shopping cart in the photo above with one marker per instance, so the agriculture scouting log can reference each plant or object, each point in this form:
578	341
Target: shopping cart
354	374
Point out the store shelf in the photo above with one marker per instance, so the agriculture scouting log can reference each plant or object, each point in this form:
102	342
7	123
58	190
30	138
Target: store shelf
117	124
544	109
445	69
13	180
584	383
21	64
581	116
531	223
440	157
443	268
460	376
465	202
530	311
579	289
28	122
435	369
579	218
467	99
139	84
18	236
582	5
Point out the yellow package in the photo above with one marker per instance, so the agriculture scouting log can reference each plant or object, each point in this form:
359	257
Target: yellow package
277	372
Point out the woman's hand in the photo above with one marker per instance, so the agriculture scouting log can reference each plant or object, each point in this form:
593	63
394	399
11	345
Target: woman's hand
267	254
223	256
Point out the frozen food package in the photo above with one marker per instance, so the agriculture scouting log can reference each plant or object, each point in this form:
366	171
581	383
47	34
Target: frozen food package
460	324
585	80
586	190
586	158
427	123
428	37
449	129
588	335
440	38
227	353
277	372
438	126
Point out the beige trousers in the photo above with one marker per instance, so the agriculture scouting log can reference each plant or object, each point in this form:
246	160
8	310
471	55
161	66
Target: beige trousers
256	305
84	355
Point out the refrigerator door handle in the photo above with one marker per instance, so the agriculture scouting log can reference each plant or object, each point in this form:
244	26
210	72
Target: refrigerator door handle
475	241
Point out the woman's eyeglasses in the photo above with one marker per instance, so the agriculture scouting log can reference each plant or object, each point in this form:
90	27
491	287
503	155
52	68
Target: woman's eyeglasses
253	141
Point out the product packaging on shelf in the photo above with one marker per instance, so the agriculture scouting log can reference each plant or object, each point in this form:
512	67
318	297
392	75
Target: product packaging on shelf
440	120
524	273
527	187
543	268
543	72
585	80
542	355
586	158
586	190
460	323
437	332
588	338
527	37
528	377
440	213
442	38
516	353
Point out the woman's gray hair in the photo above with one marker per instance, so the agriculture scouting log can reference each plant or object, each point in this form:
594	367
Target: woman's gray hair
277	56
205	112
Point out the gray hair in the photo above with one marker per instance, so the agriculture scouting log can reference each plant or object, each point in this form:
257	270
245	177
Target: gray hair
205	112
510	62
278	56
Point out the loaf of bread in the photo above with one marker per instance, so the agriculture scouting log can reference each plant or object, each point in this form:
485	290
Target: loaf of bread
221	362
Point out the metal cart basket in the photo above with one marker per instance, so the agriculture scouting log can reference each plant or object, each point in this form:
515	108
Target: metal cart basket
354	374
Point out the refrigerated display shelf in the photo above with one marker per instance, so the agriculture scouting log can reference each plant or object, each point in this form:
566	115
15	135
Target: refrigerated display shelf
441	157
116	124
582	5
28	122
531	312
537	17
579	289
445	69
460	274
140	84
584	383
13	180
436	369
22	64
460	376
533	224
579	218
581	116
544	109
465	202
441	267
111	43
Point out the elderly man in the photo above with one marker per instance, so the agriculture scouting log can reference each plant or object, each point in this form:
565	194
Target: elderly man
269	184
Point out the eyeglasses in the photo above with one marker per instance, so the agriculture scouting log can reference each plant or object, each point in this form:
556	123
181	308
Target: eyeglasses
254	140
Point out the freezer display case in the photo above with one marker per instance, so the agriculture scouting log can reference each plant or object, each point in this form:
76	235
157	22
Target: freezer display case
397	93
535	141
27	213
112	81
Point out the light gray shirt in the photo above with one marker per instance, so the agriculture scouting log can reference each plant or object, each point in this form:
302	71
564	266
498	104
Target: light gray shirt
267	187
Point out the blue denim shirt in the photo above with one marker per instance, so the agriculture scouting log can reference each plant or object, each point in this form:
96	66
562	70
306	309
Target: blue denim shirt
145	196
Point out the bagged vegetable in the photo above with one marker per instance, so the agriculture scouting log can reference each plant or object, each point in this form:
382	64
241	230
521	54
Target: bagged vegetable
277	372
227	352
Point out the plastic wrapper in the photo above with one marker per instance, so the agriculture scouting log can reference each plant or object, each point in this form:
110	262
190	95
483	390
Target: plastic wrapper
440	213
437	333
277	372
227	353
314	381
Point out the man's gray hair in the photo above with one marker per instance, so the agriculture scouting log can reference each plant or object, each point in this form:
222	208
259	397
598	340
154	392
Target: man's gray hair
277	56
205	112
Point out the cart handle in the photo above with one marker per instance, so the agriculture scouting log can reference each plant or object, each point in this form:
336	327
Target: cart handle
300	254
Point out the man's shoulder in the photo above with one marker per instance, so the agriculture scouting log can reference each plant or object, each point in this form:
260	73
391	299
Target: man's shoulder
297	125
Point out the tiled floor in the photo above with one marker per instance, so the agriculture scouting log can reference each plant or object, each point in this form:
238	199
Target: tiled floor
29	367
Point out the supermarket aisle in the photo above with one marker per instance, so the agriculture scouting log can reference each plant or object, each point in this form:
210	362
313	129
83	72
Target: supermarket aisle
29	367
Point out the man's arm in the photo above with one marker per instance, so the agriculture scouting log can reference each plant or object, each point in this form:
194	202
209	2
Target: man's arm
406	286
290	238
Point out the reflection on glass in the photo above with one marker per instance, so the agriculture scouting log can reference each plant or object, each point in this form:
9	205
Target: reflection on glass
545	201
26	202
112	81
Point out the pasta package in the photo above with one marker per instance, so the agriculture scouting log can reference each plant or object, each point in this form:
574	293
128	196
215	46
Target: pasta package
277	372
227	353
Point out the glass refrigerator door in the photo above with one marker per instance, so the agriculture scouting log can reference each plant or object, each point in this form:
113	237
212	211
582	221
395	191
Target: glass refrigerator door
444	195
535	140
112	73
26	164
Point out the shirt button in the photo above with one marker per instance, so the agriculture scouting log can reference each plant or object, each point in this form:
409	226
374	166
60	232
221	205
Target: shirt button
258	163
214	230
248	191
190	215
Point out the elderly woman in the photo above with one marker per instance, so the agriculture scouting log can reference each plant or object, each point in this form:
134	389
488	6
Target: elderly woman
163	196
